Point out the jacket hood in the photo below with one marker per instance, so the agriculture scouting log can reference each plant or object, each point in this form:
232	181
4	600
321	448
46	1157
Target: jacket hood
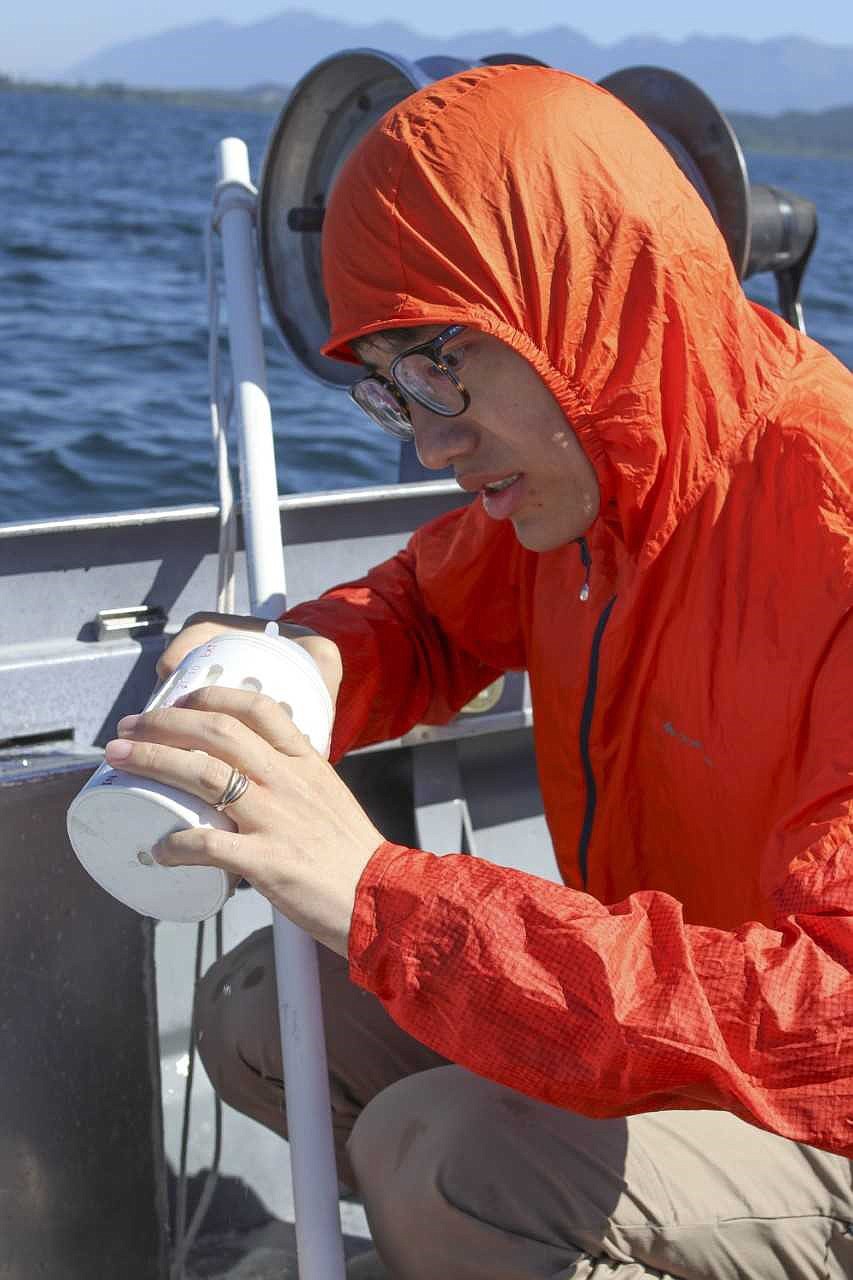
534	206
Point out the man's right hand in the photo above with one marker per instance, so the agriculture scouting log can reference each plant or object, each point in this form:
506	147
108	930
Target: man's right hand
200	627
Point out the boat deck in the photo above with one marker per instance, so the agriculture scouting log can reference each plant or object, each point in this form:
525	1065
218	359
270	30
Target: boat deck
96	999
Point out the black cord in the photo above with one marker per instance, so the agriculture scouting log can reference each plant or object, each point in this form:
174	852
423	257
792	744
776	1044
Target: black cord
184	1237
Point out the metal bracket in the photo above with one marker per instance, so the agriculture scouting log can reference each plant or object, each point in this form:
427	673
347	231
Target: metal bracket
138	619
442	820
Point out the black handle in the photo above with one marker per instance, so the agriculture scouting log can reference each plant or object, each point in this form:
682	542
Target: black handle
783	231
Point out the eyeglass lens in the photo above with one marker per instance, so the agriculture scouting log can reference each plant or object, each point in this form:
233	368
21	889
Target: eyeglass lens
427	382
379	402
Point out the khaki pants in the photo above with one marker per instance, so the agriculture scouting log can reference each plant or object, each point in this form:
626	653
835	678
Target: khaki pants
463	1179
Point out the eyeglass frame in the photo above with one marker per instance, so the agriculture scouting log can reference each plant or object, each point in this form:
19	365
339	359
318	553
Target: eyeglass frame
432	349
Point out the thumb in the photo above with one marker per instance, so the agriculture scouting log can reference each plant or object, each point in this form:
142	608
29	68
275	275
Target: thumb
327	655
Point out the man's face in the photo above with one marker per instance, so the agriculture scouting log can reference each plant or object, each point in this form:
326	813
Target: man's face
513	429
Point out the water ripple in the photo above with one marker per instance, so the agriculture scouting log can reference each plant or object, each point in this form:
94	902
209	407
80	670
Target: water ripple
103	309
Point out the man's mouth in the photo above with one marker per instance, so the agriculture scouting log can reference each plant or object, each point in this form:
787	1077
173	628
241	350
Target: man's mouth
501	498
485	481
498	485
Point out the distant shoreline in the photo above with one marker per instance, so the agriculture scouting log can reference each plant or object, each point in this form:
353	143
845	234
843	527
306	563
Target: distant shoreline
826	133
263	102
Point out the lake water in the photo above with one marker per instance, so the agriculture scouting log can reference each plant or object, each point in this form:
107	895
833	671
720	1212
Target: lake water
103	310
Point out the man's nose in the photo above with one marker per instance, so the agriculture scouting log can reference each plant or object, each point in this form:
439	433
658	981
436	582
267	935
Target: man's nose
441	441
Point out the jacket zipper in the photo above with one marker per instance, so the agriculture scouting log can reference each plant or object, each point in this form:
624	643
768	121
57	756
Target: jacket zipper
586	561
586	719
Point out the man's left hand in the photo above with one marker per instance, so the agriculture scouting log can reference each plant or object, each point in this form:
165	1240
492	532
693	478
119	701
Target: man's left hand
302	838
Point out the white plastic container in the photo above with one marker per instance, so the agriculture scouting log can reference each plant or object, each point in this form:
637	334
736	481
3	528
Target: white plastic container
116	819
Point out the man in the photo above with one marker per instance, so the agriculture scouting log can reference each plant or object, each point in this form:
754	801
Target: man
654	1062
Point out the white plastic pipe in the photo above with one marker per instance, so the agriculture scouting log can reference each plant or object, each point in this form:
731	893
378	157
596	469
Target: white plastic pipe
309	1114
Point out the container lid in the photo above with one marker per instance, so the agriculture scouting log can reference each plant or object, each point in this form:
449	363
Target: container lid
112	830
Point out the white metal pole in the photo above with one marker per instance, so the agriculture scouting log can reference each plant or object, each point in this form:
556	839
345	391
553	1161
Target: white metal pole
309	1114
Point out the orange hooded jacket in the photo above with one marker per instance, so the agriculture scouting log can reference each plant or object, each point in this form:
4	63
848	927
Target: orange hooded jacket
692	716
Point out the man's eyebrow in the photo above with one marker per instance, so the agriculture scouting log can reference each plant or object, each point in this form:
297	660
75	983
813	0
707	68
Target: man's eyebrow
388	353
363	359
371	365
361	354
392	341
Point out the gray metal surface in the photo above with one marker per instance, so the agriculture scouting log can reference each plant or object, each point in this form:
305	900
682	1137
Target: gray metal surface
82	1188
57	678
60	682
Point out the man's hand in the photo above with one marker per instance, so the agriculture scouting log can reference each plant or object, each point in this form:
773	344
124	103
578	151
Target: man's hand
302	838
200	627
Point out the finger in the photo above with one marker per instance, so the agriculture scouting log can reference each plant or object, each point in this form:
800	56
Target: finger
270	720
294	630
205	847
173	655
213	732
197	772
198	628
327	656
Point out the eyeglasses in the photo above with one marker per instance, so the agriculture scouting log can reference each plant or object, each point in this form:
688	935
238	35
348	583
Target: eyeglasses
420	373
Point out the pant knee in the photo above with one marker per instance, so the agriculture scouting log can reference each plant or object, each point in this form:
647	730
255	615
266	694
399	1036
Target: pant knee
420	1129
395	1151
236	1025
442	1160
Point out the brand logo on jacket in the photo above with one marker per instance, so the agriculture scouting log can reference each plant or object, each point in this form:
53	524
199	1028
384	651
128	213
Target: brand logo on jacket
686	741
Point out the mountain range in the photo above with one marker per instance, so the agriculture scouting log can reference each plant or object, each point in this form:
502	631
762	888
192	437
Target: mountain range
788	73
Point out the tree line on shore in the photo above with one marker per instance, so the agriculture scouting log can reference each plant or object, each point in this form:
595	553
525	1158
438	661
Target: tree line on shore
826	133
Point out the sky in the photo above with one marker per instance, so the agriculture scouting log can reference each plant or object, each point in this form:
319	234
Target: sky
44	36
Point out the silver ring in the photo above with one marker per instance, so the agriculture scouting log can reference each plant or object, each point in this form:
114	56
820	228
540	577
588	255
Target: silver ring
236	785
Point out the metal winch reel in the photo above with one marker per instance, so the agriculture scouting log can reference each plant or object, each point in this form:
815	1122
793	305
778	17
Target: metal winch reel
765	229
329	111
340	99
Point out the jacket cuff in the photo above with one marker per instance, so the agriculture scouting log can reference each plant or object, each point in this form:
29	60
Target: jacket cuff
322	617
363	928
